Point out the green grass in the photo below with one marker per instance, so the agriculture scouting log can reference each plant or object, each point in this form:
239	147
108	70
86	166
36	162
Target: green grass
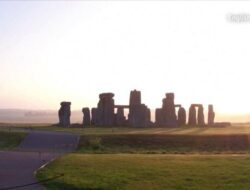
174	144
184	130
148	172
10	140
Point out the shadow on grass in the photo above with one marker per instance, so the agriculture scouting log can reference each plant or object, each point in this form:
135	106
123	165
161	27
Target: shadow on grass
142	143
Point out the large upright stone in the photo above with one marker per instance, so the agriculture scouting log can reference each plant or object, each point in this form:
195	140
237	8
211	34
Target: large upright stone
120	119
211	115
94	114
135	98
192	116
105	110
64	114
159	121
201	121
168	110
86	117
181	116
139	114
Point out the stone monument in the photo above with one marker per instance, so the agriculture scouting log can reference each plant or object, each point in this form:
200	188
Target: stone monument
139	114
211	115
201	121
104	115
181	116
166	115
64	114
192	115
86	117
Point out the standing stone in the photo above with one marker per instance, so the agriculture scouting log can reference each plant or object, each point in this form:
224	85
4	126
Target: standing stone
201	121
86	116
135	98
94	119
105	110
64	114
120	119
211	115
139	114
159	121
168	110
192	115
181	116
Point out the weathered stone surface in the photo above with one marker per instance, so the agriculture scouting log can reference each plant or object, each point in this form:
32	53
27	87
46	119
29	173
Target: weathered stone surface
94	114
135	98
104	115
211	115
193	120
168	110
166	116
201	121
86	117
108	95
120	119
181	116
192	115
159	121
64	114
139	114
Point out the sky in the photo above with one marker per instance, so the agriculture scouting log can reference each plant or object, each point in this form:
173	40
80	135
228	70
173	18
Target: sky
53	51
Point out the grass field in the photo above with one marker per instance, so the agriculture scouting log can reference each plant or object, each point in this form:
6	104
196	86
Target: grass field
173	158
148	172
186	139
184	130
174	144
9	140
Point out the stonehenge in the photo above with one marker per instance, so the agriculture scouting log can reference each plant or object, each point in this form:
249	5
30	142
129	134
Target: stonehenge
168	110
104	114
200	120
137	114
181	116
211	115
192	115
166	116
94	116
105	110
193	119
86	117
64	114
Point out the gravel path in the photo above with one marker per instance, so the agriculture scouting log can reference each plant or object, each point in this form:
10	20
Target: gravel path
38	148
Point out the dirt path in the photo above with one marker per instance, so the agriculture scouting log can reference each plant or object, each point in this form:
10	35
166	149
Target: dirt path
38	148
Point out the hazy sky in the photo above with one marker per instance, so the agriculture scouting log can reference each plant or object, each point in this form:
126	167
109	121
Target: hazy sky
74	50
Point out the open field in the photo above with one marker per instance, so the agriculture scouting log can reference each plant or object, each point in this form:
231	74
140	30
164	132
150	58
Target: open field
166	144
173	158
9	140
186	139
147	172
184	130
